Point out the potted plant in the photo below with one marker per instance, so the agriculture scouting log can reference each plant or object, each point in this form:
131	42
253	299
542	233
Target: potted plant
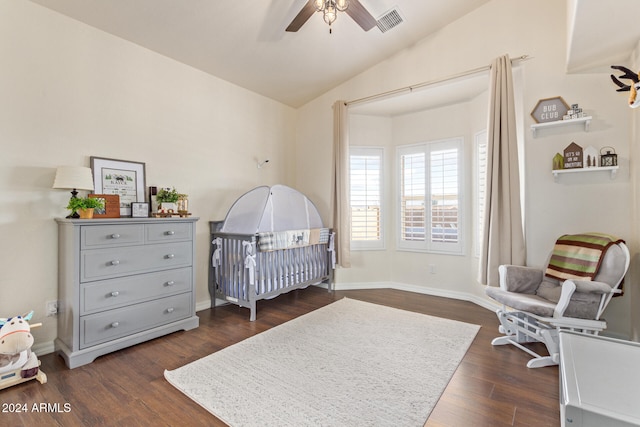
167	199
84	206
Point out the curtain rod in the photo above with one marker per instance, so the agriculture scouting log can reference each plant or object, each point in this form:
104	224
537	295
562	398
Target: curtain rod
429	83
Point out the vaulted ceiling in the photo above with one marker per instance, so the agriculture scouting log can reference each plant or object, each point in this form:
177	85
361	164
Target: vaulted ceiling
244	41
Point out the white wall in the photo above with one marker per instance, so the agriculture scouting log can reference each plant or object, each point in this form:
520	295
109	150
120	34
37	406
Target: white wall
516	27
68	92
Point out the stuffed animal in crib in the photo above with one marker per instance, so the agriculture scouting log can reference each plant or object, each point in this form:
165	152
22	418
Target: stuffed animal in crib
633	88
15	348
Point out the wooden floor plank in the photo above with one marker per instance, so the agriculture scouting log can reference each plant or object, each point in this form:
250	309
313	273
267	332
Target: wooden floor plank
492	386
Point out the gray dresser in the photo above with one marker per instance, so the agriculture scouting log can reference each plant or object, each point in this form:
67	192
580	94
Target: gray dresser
121	282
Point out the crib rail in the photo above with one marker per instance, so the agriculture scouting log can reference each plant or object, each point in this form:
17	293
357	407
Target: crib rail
241	274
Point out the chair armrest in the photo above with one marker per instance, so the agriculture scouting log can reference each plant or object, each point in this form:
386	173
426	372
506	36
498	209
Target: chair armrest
592	287
516	278
568	289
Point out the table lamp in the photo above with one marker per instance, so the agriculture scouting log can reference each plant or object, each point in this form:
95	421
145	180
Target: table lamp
74	178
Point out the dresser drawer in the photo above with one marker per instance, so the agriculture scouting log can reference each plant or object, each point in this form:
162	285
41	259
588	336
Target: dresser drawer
110	325
117	262
111	235
114	293
168	232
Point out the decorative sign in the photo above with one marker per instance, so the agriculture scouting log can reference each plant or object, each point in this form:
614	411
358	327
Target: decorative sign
573	156
121	177
550	110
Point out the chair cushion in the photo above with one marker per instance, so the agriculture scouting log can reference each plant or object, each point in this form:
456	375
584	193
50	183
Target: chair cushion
583	305
526	302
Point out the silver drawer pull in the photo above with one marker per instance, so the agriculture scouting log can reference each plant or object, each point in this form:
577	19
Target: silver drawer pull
170	283
169	256
115	293
115	324
170	310
170	233
115	236
115	262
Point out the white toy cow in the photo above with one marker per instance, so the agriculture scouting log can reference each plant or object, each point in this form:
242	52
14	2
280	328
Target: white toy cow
17	362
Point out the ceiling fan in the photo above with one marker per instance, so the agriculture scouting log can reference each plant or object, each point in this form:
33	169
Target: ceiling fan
330	8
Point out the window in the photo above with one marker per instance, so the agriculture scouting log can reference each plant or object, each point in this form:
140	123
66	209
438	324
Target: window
430	196
365	166
481	185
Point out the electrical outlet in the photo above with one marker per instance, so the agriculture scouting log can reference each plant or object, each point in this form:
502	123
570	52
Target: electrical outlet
52	308
432	269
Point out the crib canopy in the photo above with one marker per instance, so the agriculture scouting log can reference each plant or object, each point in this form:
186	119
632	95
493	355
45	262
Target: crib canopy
275	208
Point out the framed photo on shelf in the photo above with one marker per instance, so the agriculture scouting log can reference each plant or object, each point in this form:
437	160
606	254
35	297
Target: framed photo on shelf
139	210
111	206
122	177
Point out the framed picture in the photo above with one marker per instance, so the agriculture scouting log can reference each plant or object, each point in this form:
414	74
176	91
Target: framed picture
122	177
139	210
111	206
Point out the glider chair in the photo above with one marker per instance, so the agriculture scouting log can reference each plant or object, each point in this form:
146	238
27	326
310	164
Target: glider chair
583	273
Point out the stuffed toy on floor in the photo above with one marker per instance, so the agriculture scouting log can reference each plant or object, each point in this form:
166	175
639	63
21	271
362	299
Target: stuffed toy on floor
17	362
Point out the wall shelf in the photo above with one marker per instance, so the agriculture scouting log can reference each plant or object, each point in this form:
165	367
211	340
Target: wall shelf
586	121
613	170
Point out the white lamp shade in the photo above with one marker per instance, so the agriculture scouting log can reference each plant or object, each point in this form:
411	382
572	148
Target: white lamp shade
77	177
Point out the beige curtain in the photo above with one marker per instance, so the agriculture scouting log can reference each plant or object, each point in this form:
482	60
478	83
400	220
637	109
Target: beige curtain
502	238
340	198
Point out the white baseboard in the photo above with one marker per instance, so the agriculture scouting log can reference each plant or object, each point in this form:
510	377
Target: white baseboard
463	296
42	348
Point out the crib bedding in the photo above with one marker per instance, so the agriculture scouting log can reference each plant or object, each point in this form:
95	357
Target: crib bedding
274	240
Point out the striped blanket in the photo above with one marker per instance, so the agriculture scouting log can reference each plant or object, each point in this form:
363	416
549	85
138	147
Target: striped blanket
578	256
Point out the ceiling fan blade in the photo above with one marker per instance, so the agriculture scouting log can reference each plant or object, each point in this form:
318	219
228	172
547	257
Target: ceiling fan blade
302	17
359	14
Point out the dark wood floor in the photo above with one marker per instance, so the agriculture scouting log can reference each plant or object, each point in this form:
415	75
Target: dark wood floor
492	386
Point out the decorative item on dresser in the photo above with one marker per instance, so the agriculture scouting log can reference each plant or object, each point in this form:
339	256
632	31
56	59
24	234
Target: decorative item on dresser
168	199
122	177
84	206
73	178
121	282
111	208
171	203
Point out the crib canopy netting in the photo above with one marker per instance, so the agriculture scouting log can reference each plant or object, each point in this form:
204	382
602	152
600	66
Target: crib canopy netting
269	209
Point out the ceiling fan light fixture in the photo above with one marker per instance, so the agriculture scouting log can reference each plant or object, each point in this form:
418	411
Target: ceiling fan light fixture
330	14
330	9
342	5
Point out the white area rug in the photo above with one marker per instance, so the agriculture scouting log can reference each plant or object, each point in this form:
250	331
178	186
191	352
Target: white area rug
350	363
